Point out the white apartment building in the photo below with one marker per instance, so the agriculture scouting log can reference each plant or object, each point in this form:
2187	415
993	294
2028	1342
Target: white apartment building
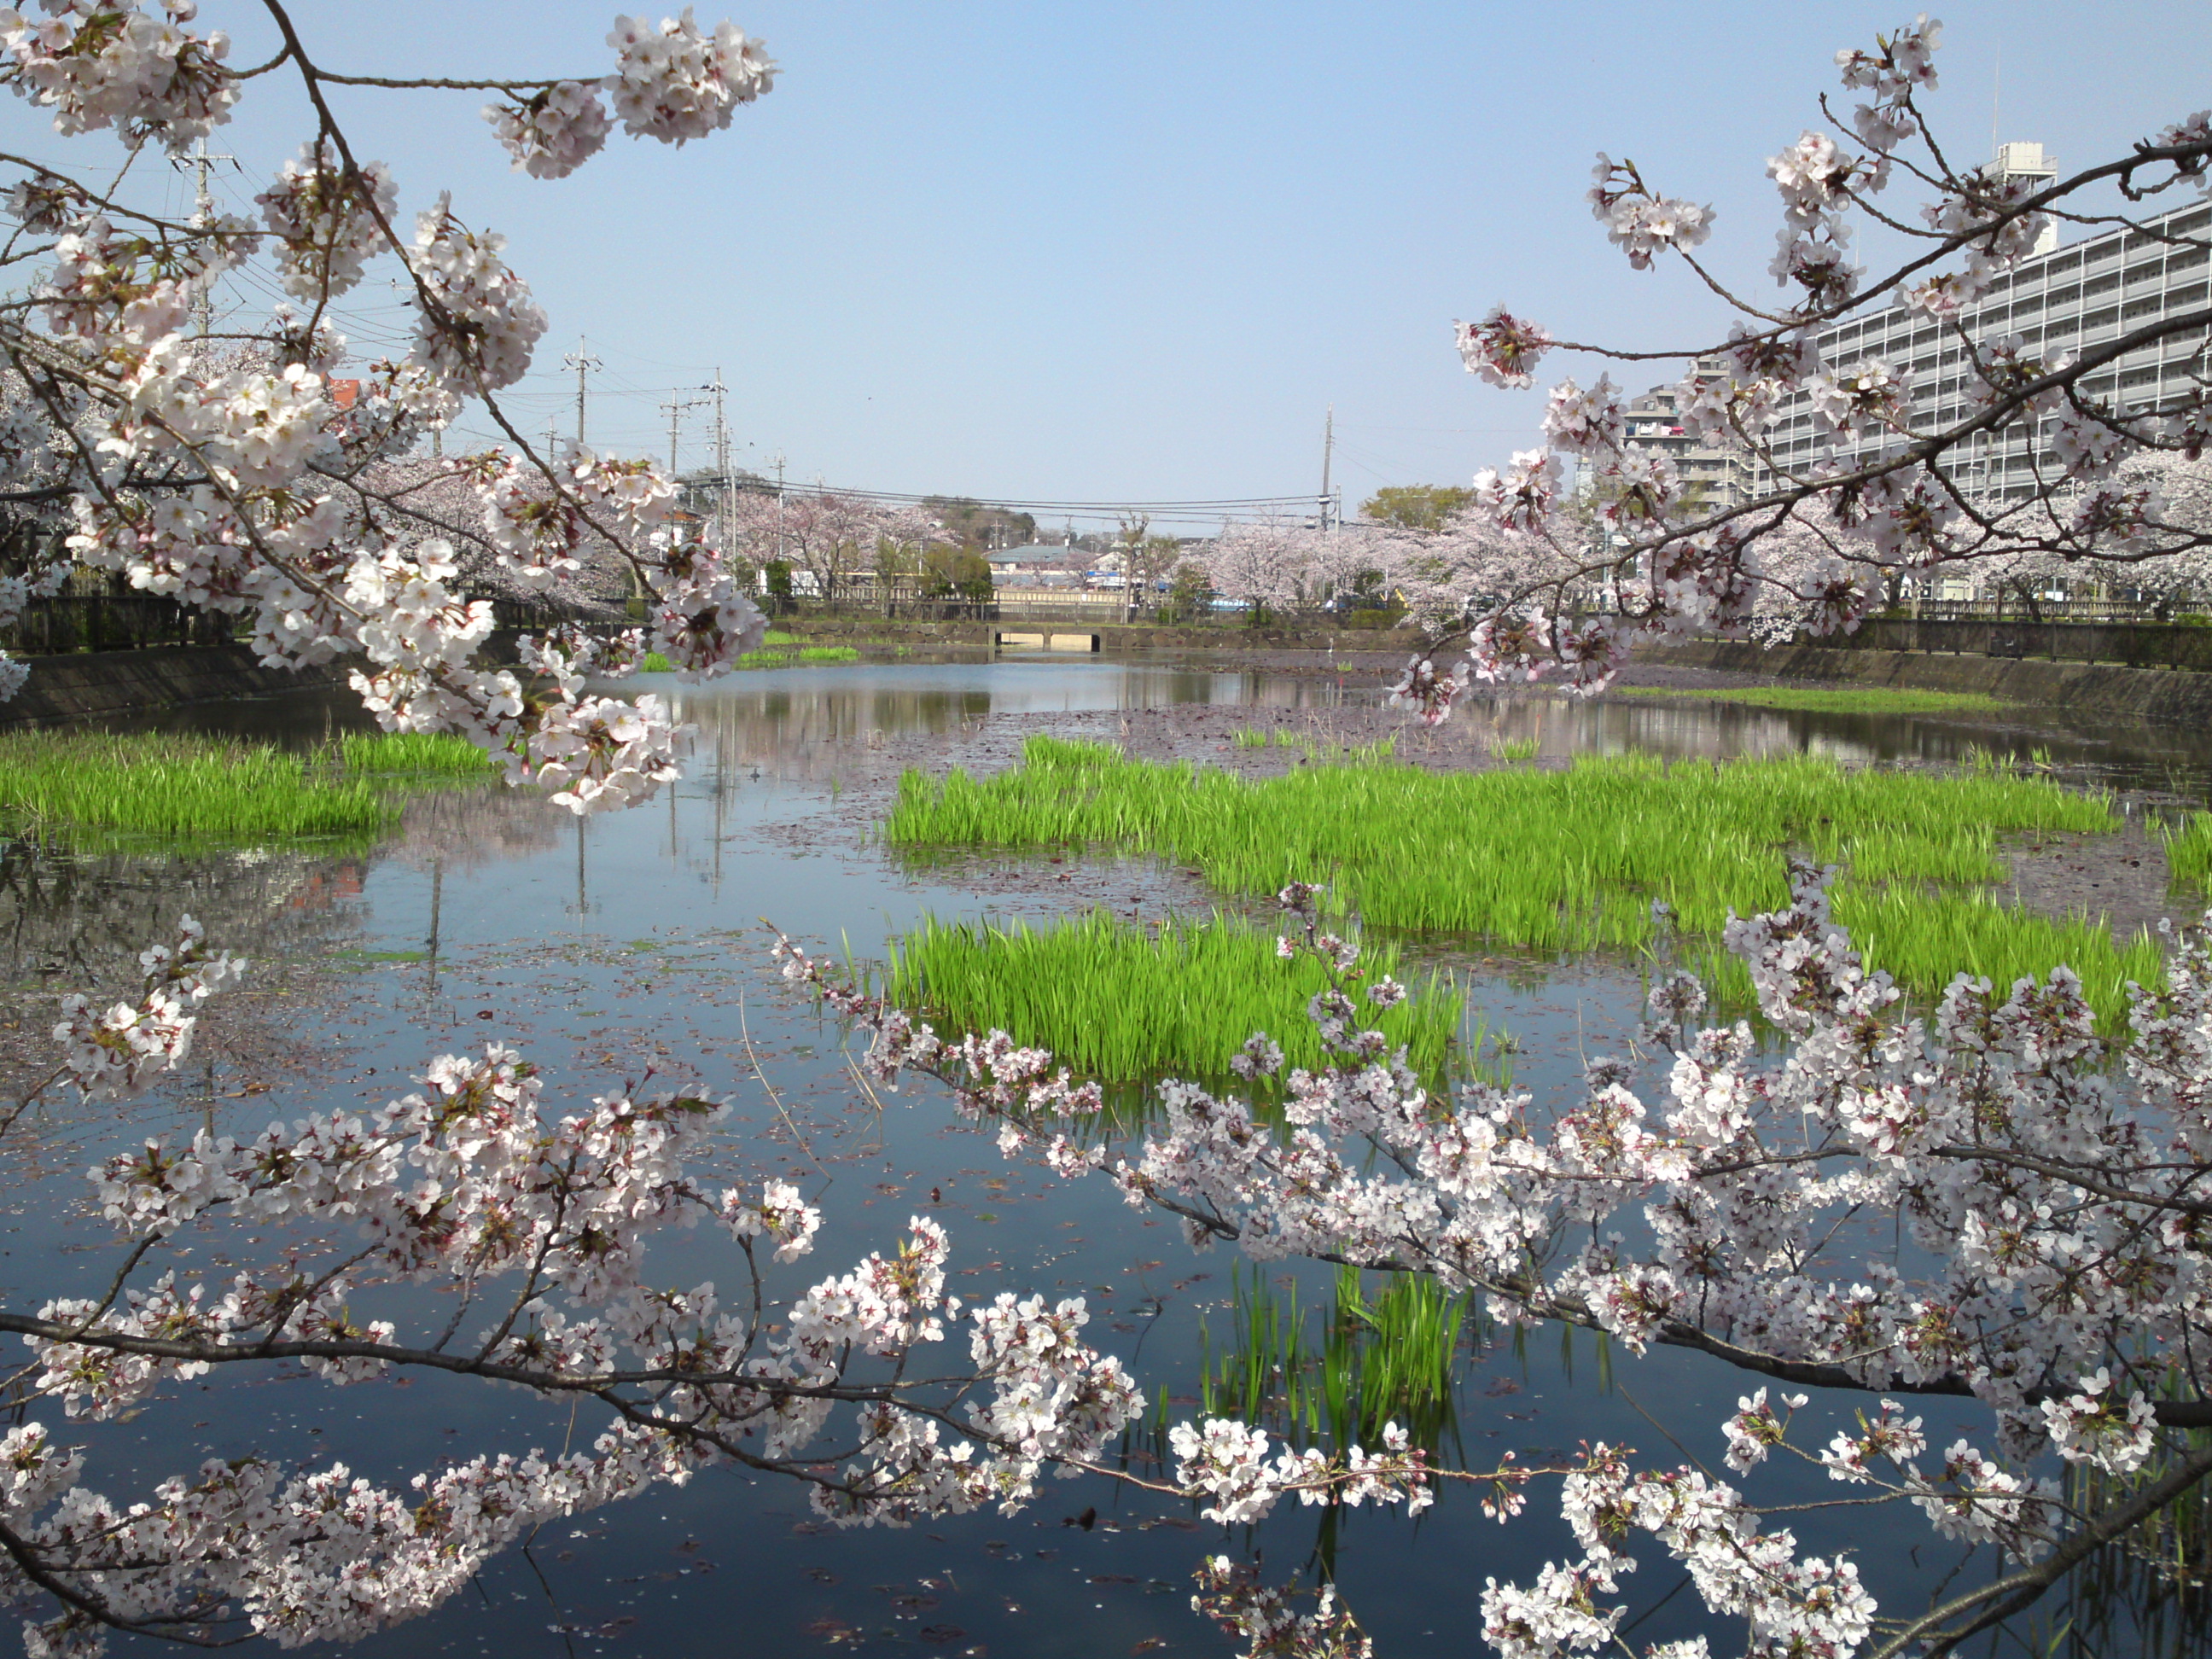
1719	477
2060	299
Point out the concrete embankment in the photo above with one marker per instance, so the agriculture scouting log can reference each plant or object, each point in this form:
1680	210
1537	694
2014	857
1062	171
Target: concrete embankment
94	684
2144	693
1114	637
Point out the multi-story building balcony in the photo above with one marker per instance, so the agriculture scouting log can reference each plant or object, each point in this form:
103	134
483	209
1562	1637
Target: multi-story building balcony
2062	300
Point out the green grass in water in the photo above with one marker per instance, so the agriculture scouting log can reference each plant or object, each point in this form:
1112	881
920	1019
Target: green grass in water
769	656
1570	860
178	787
1826	700
2189	853
413	754
1122	1002
1387	1356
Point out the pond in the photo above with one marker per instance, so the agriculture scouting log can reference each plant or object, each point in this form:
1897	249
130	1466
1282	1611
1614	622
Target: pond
634	943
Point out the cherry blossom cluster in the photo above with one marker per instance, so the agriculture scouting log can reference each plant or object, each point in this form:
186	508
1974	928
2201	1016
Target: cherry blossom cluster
2052	1264
553	132
1226	1464
673	83
676	83
228	477
101	65
1639	222
1635	547
121	1049
479	323
1503	348
1789	1603
539	1228
1266	1618
329	219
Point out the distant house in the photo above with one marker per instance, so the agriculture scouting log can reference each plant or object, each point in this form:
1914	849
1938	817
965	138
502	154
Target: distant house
1020	567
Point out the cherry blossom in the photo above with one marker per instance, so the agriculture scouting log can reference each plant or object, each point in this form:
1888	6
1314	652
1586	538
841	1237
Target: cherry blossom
675	84
329	219
553	132
1908	497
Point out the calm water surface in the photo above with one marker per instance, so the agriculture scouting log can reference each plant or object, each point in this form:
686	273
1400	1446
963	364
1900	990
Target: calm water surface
633	943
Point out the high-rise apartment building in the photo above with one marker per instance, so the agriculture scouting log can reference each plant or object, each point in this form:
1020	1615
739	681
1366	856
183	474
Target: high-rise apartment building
1715	478
2065	298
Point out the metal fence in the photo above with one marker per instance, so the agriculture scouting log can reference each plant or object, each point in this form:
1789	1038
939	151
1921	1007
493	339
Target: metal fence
2011	608
111	621
2129	644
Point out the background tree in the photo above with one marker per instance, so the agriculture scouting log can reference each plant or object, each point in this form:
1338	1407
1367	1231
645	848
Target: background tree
1416	506
829	541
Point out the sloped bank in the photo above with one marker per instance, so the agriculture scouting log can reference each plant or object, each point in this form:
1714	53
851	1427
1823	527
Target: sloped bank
2143	693
93	685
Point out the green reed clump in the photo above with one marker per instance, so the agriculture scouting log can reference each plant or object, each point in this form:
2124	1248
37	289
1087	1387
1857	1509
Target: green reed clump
1515	749
1122	1002
179	785
1833	700
1983	936
2189	851
774	653
1391	1356
1249	738
413	753
174	785
809	654
1562	861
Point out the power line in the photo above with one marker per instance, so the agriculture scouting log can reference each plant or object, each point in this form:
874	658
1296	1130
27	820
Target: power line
1183	508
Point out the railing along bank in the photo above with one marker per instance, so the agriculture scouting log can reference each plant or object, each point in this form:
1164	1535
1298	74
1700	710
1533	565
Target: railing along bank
65	623
2181	646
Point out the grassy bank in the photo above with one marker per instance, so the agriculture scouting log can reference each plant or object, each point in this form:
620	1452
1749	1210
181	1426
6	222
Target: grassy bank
1833	700
170	785
1122	1002
1571	860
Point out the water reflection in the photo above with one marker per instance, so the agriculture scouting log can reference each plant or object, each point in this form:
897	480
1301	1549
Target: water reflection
600	945
2161	759
793	722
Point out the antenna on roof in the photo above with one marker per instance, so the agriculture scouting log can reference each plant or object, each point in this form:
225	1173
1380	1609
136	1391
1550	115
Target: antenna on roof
1996	87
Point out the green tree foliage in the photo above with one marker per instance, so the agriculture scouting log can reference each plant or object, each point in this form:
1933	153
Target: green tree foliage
974	523
955	572
1416	506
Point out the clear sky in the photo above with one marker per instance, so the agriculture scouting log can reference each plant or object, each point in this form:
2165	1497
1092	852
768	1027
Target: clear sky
1041	250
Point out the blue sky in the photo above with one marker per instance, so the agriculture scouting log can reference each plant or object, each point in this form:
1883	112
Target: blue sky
1134	251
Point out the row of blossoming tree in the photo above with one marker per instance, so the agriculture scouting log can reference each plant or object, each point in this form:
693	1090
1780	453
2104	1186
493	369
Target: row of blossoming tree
2053	1191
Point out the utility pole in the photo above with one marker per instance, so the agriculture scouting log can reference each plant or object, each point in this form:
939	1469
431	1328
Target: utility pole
202	218
583	362
1327	454
725	485
778	507
674	408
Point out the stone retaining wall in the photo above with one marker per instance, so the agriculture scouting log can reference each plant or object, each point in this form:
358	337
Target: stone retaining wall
92	685
2144	693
